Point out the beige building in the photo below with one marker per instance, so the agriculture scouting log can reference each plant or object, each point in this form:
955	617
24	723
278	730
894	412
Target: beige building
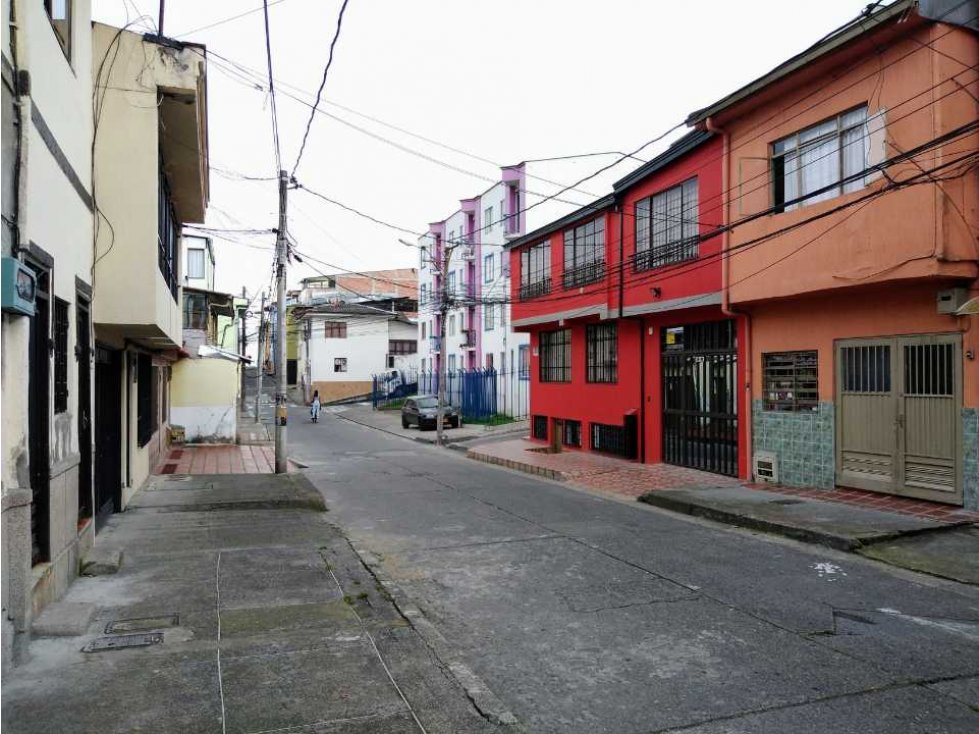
151	177
46	373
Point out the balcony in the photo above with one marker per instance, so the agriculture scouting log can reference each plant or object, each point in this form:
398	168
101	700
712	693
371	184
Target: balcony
584	274
468	339
536	289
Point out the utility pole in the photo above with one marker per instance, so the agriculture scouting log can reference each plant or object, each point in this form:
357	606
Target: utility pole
443	357
243	345
259	360
281	408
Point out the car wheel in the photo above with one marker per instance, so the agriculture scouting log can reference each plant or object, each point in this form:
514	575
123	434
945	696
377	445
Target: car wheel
404	422
455	423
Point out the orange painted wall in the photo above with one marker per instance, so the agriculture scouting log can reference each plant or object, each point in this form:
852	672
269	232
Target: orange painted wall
815	321
918	232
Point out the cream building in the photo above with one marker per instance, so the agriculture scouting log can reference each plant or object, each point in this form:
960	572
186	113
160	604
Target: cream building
48	209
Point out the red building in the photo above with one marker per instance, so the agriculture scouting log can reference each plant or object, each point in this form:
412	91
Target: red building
631	351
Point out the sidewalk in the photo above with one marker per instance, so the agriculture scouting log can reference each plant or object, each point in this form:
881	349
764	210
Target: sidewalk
924	536
389	421
227	617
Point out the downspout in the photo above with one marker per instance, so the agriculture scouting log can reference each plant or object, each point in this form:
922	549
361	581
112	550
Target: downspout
726	287
642	337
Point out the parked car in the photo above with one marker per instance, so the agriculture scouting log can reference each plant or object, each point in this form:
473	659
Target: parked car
423	412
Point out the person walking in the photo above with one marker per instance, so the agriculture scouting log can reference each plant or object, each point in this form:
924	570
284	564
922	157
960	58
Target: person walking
314	410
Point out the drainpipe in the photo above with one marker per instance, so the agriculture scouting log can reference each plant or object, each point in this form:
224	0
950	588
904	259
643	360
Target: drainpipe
726	280
642	336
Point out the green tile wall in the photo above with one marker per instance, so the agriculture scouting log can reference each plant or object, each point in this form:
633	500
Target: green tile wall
803	442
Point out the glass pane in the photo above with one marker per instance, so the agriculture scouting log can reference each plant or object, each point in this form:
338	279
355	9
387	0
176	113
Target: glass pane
820	167
854	157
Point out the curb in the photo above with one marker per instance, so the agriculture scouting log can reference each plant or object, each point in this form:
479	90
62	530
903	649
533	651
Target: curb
520	466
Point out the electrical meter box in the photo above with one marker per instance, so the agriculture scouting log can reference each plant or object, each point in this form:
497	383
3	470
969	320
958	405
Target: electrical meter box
19	287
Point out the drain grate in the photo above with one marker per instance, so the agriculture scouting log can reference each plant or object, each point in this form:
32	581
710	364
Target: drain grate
142	624
103	644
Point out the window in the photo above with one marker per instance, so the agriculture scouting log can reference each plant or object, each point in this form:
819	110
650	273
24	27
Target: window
452	363
144	399
335	329
584	253
524	361
60	355
535	270
402	346
452	325
195	311
555	356
59	13
167	228
571	433
489	360
540	427
424	329
488	218
423	294
452	282
423	252
601	342
488	321
791	381
610	440
339	364
195	263
667	227
488	263
821	161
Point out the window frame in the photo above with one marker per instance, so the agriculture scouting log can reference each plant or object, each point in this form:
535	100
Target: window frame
781	376
62	27
535	270
338	329
585	243
339	365
555	355
489	268
602	353
489	316
192	253
655	247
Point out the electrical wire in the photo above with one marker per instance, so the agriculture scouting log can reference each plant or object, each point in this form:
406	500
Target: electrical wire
275	117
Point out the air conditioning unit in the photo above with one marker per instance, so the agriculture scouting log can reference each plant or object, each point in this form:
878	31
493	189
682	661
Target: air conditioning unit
764	467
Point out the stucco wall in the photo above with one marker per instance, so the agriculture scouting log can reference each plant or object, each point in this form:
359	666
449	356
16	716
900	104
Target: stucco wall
203	397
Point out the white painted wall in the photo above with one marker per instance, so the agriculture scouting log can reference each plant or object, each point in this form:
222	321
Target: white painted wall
365	348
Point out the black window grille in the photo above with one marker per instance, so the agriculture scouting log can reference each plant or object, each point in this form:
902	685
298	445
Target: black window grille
610	440
710	336
144	399
60	355
791	381
555	356
540	427
929	369
571	433
168	232
535	271
155	388
667	227
602	347
584	253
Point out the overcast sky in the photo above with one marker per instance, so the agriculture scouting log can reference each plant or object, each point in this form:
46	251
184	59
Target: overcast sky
503	81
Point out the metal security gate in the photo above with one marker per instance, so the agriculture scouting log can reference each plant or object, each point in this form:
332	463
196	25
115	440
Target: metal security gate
108	446
898	429
700	412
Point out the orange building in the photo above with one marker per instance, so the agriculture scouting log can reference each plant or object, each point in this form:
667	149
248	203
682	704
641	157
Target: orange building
851	240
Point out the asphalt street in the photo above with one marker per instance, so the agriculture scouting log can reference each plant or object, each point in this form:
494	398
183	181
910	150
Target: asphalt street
587	614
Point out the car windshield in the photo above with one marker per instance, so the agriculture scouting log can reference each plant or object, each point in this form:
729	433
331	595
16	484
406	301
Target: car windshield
427	403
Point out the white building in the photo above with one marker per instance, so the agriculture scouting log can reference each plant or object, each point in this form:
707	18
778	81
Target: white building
198	263
344	346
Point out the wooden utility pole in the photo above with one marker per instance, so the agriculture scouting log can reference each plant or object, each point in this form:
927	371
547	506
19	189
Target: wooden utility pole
259	360
281	406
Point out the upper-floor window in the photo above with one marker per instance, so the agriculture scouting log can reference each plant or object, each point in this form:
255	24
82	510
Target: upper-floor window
821	161
335	329
167	229
489	313
59	13
402	346
195	263
452	282
535	270
424	258
195	311
667	228
555	356
424	330
584	253
452	325
488	222
488	268
423	294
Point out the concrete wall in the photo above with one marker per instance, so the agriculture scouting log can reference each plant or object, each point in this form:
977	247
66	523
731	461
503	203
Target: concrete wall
204	394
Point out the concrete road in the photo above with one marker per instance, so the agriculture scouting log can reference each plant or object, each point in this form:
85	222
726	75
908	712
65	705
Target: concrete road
586	614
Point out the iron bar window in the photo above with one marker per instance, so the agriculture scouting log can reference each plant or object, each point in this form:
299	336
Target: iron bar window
402	346
667	227
571	433
929	370
540	427
60	355
167	232
820	162
335	329
535	271
555	356
790	381
584	253
602	349
610	440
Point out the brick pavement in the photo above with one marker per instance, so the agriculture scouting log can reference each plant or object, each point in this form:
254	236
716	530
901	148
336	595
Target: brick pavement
630	479
230	459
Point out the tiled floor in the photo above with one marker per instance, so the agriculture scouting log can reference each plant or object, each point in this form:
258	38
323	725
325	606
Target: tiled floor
629	479
218	460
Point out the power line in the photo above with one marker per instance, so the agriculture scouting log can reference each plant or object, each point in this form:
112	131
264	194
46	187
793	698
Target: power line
275	118
227	20
319	92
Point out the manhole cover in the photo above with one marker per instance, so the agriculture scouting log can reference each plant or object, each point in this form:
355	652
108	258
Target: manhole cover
102	644
141	624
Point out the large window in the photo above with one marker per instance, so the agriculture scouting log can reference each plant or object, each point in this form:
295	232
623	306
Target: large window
791	381
489	321
555	356
488	268
821	161
535	270
667	229
195	263
195	311
167	230
60	355
402	346
584	253
335	329
602	353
